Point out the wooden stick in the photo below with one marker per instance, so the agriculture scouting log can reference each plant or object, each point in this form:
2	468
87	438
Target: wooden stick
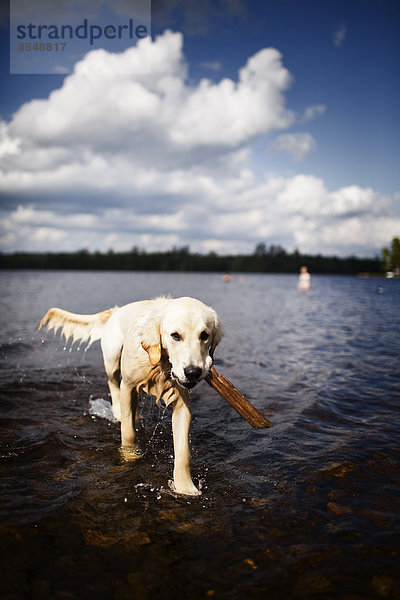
228	392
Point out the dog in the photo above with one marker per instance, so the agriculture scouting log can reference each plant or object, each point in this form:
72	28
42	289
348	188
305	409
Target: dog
163	347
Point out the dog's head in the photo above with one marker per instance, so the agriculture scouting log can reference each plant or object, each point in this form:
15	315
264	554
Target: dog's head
187	331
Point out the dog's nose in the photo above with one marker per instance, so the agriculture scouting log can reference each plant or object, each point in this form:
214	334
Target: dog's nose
192	372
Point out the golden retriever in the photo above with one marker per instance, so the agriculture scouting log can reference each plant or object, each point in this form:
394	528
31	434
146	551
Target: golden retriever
163	347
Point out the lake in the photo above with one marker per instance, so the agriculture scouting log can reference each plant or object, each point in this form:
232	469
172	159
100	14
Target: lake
307	509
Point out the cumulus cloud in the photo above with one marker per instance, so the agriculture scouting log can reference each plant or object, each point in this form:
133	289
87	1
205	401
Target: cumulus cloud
100	108
116	159
8	145
230	216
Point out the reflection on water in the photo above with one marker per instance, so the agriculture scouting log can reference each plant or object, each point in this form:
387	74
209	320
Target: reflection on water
308	509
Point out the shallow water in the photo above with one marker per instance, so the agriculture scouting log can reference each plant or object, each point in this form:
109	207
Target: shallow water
307	509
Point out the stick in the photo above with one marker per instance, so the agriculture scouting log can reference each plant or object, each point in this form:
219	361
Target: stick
228	392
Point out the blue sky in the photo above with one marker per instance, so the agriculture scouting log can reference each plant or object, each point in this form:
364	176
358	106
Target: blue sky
273	122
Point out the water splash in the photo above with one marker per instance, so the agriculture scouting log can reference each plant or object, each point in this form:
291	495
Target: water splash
99	407
130	453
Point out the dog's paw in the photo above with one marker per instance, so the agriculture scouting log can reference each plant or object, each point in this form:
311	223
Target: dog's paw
186	489
130	453
193	491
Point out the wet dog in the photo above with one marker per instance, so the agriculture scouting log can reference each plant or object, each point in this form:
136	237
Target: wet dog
163	347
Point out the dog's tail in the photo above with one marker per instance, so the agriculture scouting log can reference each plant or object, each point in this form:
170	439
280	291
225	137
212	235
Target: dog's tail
79	327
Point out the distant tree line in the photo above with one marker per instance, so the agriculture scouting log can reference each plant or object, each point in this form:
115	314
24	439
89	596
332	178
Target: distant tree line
391	257
263	260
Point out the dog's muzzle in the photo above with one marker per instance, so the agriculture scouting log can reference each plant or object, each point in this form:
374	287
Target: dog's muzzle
192	374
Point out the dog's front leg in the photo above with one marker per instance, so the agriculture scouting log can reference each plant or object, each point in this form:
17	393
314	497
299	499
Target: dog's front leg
128	401
114	387
181	417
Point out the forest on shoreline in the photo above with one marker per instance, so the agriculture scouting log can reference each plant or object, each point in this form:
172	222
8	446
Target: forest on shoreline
263	260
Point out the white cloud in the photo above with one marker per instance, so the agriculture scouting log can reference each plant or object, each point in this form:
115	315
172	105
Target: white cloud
232	216
47	234
298	145
157	110
117	160
9	145
28	215
230	113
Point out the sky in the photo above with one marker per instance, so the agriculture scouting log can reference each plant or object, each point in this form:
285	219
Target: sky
232	123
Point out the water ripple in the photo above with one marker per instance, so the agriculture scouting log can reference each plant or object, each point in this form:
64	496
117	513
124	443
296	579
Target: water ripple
309	508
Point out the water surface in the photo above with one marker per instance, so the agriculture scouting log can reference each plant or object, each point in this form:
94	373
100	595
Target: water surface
307	509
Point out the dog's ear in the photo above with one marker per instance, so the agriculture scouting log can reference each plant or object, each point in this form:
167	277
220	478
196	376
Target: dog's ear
216	335
150	339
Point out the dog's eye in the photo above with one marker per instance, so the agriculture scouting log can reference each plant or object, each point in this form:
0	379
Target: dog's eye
176	336
204	336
